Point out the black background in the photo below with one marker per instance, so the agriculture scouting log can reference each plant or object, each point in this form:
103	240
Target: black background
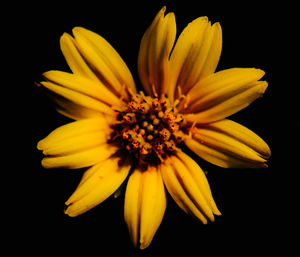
259	207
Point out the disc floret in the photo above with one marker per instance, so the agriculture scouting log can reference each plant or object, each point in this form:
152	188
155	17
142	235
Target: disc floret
149	128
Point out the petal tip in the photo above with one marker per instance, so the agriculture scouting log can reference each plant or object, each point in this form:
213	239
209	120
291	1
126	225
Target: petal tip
65	40
45	163
69	213
260	72
64	36
39	145
76	30
217	212
143	245
204	222
217	25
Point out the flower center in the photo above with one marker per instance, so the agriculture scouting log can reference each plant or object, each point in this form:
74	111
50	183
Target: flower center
149	128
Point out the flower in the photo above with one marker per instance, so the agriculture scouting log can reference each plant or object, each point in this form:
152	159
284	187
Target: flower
120	133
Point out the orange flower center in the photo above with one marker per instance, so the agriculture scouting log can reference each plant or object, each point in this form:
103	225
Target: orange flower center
149	128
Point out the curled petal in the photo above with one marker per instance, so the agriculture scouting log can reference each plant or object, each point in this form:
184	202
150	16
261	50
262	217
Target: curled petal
83	85
230	145
195	55
97	184
74	59
78	144
83	158
77	112
234	79
199	177
104	60
145	204
79	99
75	136
188	187
155	48
73	110
223	94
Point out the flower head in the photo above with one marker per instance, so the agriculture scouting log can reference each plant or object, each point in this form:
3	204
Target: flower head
118	132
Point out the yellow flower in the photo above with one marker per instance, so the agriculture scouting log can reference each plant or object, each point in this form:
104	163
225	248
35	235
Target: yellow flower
119	132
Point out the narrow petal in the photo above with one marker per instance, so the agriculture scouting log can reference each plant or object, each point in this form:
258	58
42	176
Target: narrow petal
83	85
230	79
81	159
97	184
195	55
229	145
132	205
73	129
199	177
79	98
243	135
145	204
155	48
213	45
187	190
75	136
74	59
223	94
77	112
105	61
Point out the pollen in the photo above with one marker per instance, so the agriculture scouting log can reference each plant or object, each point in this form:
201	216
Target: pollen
149	128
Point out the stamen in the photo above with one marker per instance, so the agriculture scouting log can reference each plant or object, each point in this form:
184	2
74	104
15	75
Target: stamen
145	124
123	92
179	91
187	101
155	122
142	132
192	129
150	128
154	91
142	94
129	90
149	137
177	101
160	114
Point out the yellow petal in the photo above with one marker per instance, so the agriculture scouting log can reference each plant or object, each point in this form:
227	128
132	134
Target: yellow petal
195	55
213	47
75	136
229	106
74	59
223	94
132	204
79	98
191	188
78	112
231	79
73	129
145	204
155	48
185	191
214	156
81	159
102	181
243	135
106	62
199	177
83	85
228	144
